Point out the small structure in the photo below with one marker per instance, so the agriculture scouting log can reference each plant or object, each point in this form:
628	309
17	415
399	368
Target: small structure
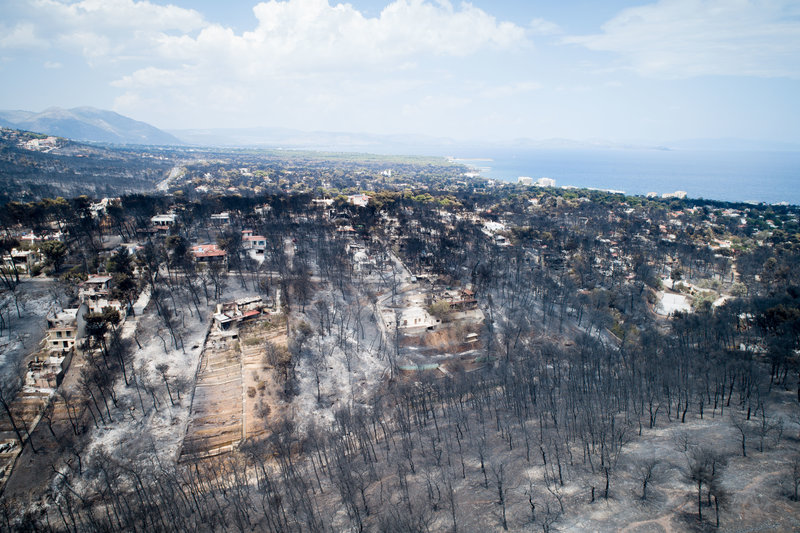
416	317
409	320
209	253
62	330
545	182
258	243
462	300
362	262
501	240
358	200
99	209
240	310
325	202
100	304
30	238
21	260
677	194
95	292
221	218
96	284
46	144
168	220
47	372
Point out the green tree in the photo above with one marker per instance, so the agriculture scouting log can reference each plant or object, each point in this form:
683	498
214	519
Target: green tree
676	275
54	252
440	310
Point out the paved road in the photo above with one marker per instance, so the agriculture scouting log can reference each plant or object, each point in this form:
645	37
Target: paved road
163	185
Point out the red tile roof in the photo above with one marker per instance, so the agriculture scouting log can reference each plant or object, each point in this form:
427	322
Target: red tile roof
207	250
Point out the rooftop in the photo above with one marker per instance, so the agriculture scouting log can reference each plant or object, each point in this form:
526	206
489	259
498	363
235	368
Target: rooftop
207	250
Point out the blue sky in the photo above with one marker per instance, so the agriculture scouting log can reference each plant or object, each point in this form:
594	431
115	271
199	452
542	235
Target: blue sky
637	72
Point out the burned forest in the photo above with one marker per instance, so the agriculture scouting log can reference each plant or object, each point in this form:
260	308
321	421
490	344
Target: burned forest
310	342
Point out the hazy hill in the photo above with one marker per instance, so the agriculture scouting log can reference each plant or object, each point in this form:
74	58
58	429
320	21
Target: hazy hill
340	141
87	124
334	141
71	168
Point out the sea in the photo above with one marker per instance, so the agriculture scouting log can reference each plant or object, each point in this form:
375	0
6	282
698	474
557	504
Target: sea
735	176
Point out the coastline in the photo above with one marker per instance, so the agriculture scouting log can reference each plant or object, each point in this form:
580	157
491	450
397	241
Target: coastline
746	177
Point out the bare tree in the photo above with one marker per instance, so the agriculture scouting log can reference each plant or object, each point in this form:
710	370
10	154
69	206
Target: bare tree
794	478
162	370
742	424
647	471
10	386
500	482
705	468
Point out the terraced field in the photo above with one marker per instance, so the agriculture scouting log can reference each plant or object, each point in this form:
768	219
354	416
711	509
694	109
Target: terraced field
216	415
232	387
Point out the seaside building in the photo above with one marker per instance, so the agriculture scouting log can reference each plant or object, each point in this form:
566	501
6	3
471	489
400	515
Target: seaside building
525	180
677	194
545	182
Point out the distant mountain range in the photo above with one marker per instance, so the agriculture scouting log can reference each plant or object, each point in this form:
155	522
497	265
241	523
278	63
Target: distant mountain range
87	124
97	125
339	141
429	145
330	141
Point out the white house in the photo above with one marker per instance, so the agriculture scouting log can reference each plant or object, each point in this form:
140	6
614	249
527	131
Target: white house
221	218
409	319
95	293
62	330
168	219
677	194
358	200
254	242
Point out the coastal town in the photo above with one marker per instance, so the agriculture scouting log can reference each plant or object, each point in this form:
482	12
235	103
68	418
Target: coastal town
245	306
399	266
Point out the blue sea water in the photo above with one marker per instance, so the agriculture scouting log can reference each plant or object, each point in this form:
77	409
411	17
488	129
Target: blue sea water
744	176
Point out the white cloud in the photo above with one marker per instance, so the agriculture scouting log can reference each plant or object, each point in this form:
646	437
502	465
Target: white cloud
541	26
111	16
22	35
291	35
322	61
301	35
686	38
100	30
305	63
52	65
